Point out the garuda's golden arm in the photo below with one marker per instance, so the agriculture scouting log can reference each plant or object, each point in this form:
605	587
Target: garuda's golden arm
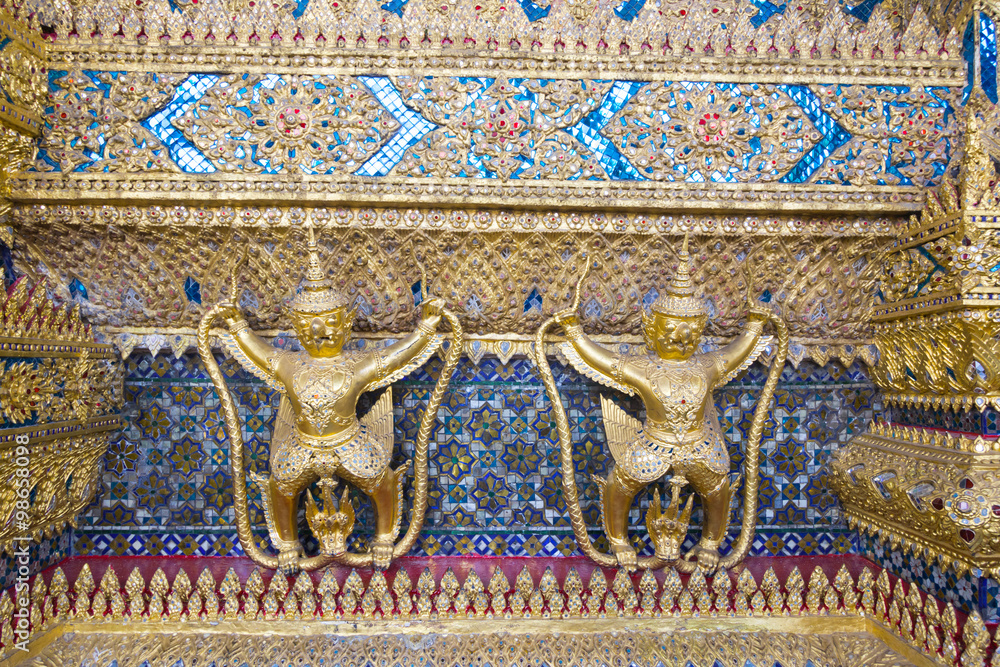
376	366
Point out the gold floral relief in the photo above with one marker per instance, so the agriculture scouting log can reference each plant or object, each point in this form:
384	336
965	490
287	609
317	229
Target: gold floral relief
321	124
681	129
100	127
499	283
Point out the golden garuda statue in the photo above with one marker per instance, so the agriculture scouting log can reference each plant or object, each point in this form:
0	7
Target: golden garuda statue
317	434
681	434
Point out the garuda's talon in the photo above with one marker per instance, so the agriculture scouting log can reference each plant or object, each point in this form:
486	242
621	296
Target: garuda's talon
382	549
288	561
706	555
625	553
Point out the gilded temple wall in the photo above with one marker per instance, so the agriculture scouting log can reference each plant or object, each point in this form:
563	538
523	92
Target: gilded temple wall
169	167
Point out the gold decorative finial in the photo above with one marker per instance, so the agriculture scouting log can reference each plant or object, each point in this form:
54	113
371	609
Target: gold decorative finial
678	297
977	171
318	294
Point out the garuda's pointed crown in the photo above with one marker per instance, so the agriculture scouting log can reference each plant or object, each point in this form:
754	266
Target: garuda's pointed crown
678	298
318	294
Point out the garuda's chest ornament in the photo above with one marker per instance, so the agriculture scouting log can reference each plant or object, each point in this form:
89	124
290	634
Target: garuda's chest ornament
681	435
318	437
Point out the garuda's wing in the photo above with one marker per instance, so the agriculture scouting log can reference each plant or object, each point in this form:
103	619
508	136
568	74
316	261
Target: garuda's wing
378	423
621	429
582	367
762	343
284	424
249	364
415	363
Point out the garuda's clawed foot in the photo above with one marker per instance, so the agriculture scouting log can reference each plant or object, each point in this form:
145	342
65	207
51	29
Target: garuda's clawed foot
382	548
706	554
288	561
625	553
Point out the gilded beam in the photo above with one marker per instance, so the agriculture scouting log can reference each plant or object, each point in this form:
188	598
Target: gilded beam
348	191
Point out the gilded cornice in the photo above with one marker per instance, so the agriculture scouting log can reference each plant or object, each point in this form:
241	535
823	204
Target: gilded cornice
931	492
727	29
350	191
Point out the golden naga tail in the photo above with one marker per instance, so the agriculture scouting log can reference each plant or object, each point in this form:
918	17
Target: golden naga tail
571	497
237	464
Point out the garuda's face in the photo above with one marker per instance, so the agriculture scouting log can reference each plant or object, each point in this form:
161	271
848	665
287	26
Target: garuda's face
323	334
673	337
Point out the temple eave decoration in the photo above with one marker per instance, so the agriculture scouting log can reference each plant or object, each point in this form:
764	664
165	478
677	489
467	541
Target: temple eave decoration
60	393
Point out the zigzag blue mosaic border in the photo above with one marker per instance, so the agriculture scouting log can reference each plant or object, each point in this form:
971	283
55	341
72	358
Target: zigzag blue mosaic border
205	542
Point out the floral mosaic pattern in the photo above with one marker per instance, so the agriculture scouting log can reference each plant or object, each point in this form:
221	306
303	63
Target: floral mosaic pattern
41	554
967	591
495	485
985	422
498	128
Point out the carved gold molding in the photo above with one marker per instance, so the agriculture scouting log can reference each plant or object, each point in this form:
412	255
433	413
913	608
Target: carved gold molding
947	70
916	31
628	197
931	492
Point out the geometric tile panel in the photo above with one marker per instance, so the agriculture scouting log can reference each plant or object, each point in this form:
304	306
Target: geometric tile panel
968	591
552	544
494	462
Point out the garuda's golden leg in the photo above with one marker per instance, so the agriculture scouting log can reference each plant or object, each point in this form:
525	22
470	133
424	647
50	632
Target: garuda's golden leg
385	492
617	493
284	509
715	493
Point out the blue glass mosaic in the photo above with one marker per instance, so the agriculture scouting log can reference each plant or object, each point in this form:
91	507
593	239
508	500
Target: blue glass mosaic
495	484
42	554
973	422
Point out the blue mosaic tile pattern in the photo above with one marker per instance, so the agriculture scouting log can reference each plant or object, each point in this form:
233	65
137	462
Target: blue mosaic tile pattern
968	592
494	461
551	543
41	555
